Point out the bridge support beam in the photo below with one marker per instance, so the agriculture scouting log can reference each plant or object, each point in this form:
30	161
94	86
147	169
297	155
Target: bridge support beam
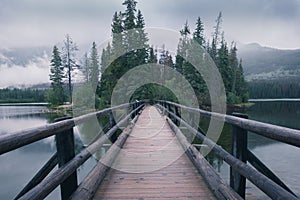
239	150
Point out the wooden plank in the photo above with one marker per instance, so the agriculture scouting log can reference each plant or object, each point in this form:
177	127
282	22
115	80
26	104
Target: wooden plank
89	185
162	169
214	181
52	181
261	181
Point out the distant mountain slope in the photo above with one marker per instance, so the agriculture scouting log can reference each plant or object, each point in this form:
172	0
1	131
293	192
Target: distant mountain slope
260	62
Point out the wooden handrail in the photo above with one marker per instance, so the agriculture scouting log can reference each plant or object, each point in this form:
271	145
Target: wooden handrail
18	139
221	190
260	180
52	181
279	133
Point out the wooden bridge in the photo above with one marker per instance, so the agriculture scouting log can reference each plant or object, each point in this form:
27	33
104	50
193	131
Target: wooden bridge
152	158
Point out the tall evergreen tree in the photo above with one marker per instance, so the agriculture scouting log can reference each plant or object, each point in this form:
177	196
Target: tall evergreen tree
94	67
198	33
85	67
142	40
56	95
223	63
182	47
234	65
69	62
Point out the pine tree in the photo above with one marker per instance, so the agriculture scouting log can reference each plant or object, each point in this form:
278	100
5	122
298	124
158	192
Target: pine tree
69	62
141	39
85	68
234	66
94	67
182	47
223	63
198	34
117	34
56	95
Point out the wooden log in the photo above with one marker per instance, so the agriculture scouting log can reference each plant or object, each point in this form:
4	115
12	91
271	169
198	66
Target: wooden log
112	123
282	134
90	184
65	146
40	175
260	166
239	143
217	185
18	139
52	181
270	188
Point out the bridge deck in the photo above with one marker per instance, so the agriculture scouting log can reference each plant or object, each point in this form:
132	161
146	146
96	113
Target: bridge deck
152	165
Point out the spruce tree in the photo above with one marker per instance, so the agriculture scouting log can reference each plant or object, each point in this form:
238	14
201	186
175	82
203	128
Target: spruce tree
234	66
198	34
94	67
56	95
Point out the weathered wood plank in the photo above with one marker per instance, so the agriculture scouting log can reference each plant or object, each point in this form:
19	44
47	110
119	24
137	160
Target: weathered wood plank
155	166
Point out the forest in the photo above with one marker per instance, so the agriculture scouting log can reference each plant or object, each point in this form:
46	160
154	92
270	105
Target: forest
124	39
276	88
27	95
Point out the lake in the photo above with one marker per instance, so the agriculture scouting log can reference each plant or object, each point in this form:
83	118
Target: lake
282	159
19	166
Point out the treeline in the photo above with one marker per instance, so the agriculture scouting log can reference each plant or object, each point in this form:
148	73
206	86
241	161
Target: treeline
128	32
277	88
22	95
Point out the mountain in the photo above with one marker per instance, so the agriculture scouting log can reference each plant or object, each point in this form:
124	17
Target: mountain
268	63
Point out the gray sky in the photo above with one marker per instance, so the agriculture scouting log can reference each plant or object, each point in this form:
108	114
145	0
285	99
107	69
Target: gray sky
272	23
33	23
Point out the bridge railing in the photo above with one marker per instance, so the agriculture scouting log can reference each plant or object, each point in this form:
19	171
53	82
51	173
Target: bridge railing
43	183
261	176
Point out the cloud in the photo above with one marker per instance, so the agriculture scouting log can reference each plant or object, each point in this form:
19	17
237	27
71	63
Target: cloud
36	22
36	71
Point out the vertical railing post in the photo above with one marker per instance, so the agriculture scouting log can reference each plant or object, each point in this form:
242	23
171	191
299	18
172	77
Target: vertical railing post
112	123
169	110
65	146
175	113
239	150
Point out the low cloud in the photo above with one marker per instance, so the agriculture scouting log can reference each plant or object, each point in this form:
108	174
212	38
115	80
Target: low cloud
36	71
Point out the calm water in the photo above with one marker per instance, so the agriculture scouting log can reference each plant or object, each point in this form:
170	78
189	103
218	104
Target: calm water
282	159
19	166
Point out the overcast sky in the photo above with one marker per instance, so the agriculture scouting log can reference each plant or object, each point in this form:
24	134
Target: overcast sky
33	23
272	23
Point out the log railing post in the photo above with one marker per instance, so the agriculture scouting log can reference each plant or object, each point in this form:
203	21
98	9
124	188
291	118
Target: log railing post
112	123
65	146
239	150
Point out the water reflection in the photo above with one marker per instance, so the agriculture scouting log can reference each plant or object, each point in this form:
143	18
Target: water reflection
281	158
19	166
